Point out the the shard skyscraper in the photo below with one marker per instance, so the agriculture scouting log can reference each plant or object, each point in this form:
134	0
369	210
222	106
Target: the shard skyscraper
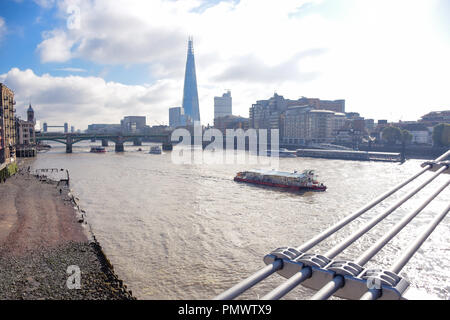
190	93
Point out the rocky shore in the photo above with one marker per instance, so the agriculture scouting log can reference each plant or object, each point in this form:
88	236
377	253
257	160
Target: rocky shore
46	248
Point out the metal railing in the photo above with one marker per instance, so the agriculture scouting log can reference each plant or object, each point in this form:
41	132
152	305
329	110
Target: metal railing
349	279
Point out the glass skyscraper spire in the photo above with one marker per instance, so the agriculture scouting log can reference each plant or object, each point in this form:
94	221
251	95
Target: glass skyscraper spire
190	93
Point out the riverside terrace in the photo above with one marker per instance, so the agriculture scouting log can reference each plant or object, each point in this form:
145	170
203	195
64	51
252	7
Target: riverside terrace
70	139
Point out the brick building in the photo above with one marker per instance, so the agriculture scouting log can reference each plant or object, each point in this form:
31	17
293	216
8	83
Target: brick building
7	125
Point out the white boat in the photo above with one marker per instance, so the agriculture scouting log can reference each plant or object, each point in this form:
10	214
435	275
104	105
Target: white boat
155	150
285	153
282	153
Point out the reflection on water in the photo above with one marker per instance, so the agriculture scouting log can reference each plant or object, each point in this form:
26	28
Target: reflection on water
179	231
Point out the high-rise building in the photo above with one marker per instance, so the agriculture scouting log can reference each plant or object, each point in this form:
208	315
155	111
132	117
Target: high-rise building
176	117
268	114
223	105
190	93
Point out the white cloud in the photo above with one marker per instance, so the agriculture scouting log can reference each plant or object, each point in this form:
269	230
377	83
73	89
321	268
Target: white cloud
84	100
56	47
383	57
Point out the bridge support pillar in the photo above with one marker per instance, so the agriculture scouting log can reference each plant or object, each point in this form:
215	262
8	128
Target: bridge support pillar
69	144
104	143
167	144
137	142
119	147
119	144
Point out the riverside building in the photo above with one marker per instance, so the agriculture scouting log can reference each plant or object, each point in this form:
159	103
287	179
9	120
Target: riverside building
230	122
331	105
304	124
25	135
268	114
436	117
7	125
299	121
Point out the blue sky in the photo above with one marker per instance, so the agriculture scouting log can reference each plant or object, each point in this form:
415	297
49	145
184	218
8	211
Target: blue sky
27	20
388	59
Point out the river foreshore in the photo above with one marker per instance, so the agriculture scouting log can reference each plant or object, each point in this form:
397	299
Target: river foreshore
45	241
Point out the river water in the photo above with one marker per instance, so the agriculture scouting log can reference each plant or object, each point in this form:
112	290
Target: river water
188	231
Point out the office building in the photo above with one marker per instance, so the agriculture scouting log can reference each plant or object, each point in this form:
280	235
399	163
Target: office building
305	124
133	124
231	122
318	104
223	105
176	117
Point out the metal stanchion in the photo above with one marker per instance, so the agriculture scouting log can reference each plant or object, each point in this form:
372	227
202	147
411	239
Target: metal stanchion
407	255
328	289
364	258
356	235
287	286
410	251
250	282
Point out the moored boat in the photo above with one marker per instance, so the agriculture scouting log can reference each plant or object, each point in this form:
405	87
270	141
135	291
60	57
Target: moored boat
285	153
290	180
155	150
98	150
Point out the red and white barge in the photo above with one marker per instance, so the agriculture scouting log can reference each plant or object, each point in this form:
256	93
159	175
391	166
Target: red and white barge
289	180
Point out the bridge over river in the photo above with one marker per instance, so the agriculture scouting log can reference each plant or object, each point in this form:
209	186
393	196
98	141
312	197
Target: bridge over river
69	139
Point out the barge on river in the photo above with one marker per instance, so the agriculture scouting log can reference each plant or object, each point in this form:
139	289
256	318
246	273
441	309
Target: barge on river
307	180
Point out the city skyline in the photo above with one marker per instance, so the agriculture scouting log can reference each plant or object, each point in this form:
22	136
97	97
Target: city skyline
388	61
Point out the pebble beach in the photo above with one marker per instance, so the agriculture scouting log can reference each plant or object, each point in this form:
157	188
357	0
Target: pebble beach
43	238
